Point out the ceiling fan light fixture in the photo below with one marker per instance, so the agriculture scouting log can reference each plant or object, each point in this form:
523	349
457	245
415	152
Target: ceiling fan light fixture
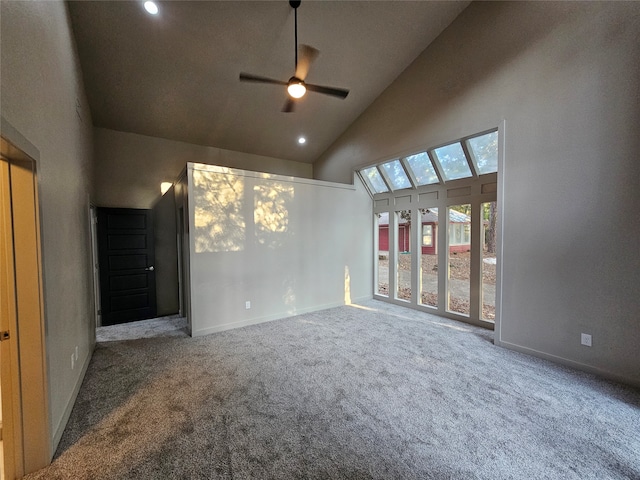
296	88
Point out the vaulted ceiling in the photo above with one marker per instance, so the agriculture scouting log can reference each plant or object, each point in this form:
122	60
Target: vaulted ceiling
175	75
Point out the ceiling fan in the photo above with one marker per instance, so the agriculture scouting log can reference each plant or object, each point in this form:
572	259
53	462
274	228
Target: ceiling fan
296	86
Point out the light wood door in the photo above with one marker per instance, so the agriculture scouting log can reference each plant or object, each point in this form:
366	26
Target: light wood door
27	440
12	436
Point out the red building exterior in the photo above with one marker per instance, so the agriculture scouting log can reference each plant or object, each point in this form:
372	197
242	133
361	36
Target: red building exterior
429	232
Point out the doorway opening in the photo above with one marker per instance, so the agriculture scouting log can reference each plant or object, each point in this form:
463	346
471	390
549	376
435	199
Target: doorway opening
126	263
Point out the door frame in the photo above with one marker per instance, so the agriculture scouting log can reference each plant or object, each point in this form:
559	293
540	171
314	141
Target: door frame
95	267
27	438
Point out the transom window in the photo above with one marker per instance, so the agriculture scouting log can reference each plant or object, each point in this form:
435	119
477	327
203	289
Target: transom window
470	157
422	168
374	180
396	175
453	161
484	150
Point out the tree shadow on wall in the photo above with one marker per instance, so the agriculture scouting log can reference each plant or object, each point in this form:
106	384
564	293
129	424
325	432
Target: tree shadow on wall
231	211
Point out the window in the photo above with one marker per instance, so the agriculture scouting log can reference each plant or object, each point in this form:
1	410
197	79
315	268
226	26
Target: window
469	157
459	260
484	150
397	175
403	255
489	218
427	235
453	161
374	180
459	233
382	266
446	263
423	169
428	259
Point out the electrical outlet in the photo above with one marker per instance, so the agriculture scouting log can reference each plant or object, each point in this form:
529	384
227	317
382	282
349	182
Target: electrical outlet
247	305
73	363
585	339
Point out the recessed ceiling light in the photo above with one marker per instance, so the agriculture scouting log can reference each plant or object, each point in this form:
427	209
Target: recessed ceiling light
151	7
165	186
302	140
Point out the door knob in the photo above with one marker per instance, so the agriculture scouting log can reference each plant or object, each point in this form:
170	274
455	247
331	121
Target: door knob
151	269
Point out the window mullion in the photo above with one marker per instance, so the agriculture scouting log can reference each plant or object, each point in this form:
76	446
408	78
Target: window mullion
385	178
437	166
475	300
470	159
409	171
367	184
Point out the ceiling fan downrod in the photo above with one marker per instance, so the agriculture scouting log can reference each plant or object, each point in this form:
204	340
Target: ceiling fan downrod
295	4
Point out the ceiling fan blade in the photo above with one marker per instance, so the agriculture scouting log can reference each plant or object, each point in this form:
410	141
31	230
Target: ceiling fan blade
289	105
306	57
247	77
335	92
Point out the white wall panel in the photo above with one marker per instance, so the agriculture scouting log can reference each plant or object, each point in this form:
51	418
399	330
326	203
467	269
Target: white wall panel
287	245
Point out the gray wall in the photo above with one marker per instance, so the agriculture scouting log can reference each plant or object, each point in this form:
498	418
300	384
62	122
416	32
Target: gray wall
287	245
166	262
564	79
44	101
129	167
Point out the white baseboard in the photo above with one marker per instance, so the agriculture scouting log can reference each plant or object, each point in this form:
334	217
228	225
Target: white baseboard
571	363
59	428
268	318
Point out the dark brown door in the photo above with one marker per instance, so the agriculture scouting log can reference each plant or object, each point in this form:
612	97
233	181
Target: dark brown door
126	264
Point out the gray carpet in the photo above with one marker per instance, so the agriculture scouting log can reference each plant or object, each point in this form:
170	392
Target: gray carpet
357	392
169	326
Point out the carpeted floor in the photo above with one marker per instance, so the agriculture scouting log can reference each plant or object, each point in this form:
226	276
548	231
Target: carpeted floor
169	326
372	391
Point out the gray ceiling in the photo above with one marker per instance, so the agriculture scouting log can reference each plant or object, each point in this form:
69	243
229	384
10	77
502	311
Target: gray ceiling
175	75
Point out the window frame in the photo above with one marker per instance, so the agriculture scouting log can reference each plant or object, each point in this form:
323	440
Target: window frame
430	235
467	151
474	190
